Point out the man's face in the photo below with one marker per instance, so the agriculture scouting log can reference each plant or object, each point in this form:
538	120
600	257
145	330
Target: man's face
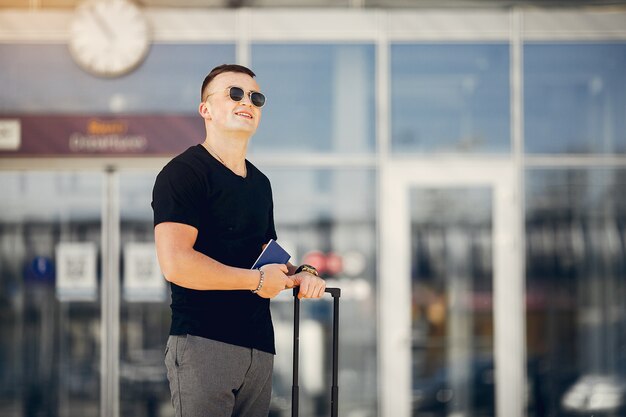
227	114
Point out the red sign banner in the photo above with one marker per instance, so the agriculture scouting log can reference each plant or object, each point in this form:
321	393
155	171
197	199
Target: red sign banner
80	135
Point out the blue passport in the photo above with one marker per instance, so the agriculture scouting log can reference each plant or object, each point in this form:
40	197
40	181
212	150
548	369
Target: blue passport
272	254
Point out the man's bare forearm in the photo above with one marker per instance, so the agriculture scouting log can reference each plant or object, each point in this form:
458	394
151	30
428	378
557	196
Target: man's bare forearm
191	269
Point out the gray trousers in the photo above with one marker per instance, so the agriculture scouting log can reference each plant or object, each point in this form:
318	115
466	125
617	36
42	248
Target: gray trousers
214	379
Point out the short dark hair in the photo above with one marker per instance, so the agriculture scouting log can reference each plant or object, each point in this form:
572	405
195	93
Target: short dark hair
221	69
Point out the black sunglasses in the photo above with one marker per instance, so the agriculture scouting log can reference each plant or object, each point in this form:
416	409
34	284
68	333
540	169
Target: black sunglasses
237	94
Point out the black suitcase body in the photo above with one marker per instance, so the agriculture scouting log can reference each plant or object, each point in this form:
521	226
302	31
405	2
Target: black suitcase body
295	389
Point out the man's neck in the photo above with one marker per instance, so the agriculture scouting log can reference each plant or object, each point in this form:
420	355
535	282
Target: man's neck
229	150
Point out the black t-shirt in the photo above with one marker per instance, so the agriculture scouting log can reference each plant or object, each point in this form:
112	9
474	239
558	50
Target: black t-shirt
234	218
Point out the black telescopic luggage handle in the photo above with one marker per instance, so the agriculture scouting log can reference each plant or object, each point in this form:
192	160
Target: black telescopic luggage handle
295	389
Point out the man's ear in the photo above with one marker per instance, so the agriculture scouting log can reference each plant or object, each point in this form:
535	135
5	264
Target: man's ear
204	110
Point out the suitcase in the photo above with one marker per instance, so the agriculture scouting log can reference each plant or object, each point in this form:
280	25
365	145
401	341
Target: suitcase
295	389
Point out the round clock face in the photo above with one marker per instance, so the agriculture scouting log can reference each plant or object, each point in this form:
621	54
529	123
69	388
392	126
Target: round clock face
109	37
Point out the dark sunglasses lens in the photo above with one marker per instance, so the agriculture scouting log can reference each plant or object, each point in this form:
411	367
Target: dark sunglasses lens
236	93
258	99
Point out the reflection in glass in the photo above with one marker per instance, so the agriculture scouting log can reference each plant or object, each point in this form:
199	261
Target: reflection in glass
320	98
452	309
575	98
575	313
49	349
326	218
145	313
169	80
450	98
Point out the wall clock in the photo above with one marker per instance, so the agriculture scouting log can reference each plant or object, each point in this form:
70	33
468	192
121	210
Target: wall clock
109	38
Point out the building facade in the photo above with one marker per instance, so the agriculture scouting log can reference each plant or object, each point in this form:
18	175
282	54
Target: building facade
455	171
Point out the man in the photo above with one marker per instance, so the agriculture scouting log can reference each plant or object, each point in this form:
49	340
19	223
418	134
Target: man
213	213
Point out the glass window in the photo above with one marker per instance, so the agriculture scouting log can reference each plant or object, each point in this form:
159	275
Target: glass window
450	98
44	79
576	291
575	98
320	98
330	226
452	302
50	340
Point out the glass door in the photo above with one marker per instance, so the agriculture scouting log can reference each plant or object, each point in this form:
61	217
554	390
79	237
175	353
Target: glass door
451	296
83	303
144	304
50	293
451	301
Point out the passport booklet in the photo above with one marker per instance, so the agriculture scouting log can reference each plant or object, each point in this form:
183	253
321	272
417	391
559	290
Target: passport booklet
272	254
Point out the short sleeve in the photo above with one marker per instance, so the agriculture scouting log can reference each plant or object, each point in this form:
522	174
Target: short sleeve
176	195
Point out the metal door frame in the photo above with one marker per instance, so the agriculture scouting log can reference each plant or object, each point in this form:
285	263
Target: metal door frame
394	288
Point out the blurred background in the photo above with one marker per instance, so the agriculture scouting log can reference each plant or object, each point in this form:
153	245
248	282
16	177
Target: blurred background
457	167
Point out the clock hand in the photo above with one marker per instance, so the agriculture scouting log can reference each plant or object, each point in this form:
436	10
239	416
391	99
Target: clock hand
110	35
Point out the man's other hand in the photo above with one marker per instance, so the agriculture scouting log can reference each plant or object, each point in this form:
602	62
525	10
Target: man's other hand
275	280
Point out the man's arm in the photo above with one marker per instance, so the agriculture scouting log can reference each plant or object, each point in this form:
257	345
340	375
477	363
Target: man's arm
188	268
